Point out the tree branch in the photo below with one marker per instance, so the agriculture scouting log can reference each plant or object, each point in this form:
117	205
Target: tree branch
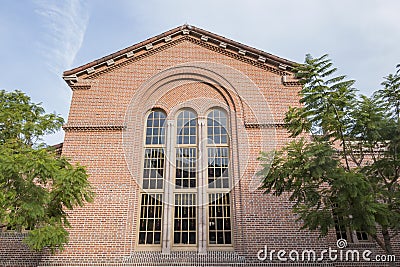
342	137
379	241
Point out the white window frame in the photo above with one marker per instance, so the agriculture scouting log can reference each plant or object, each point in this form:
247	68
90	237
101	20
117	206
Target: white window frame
201	190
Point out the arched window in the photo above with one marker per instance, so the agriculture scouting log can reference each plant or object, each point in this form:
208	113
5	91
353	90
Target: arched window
200	186
219	211
151	209
186	173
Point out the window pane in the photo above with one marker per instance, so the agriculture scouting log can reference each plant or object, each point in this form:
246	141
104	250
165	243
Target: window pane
185	221
212	237
186	128
192	140
224	139
218	172
150	219
157	237
362	236
148	140
185	174
192	238
228	237
219	224
155	128
216	127
155	131
153	168
177	237
142	238
341	231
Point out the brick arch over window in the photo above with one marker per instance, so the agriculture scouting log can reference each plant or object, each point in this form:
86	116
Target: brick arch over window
238	90
168	79
237	93
200	95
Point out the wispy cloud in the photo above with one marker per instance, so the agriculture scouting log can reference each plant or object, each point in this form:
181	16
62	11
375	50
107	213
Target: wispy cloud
64	25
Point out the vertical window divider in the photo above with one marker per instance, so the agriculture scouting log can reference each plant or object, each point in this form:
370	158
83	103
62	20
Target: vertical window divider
168	186
202	173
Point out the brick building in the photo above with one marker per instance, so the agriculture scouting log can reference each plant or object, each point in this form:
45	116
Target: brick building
170	130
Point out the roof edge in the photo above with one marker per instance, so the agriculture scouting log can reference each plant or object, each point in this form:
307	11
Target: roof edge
70	75
120	52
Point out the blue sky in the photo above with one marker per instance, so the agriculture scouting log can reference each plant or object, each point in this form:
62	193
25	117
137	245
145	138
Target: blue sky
40	39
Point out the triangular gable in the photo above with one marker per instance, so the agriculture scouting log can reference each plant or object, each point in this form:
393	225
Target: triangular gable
205	38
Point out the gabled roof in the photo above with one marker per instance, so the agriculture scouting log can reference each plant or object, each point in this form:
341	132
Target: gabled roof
272	62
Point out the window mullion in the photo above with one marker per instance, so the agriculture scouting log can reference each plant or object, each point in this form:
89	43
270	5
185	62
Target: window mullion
202	178
168	185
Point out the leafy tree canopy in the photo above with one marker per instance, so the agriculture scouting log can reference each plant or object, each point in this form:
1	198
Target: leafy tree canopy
37	187
343	166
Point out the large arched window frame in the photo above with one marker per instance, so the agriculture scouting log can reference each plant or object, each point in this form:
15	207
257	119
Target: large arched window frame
195	196
152	180
185	182
218	179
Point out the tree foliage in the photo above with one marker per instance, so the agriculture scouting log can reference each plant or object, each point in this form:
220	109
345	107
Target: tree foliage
345	160
37	187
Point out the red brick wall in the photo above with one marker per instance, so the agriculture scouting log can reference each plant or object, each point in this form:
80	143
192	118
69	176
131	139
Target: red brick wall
104	232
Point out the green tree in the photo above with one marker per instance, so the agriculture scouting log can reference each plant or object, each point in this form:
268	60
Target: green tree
343	167
37	187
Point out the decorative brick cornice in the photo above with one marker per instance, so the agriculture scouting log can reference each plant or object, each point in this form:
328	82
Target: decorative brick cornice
98	128
292	84
264	125
137	58
80	87
163	41
238	56
247	58
290	81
